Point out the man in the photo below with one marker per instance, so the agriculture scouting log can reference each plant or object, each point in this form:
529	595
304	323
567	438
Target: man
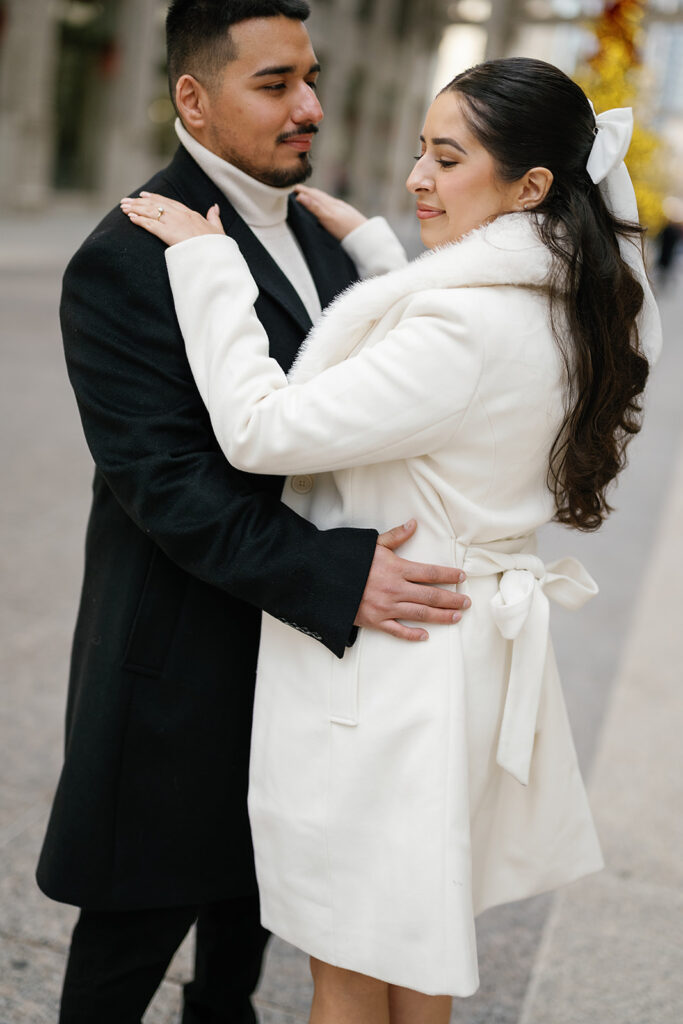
149	828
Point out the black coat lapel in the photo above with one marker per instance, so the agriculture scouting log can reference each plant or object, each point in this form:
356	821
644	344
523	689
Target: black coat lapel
331	268
198	192
266	272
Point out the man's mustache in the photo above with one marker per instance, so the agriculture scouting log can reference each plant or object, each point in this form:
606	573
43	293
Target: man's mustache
308	129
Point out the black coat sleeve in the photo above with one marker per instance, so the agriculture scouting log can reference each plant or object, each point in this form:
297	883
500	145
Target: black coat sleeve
151	439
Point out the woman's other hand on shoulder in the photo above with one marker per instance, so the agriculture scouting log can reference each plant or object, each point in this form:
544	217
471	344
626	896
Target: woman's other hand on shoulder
336	216
170	220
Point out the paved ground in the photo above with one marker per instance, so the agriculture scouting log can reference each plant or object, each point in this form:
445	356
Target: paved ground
605	951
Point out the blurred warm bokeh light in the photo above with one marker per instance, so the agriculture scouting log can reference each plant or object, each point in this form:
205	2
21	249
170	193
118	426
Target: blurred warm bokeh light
614	76
85	112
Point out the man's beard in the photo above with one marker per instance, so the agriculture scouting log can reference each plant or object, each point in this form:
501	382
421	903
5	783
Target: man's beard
285	179
274	175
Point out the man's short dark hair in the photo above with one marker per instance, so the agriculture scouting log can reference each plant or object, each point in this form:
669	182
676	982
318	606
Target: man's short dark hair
198	39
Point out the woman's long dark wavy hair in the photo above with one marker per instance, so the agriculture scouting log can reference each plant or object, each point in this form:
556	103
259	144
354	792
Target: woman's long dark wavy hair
527	113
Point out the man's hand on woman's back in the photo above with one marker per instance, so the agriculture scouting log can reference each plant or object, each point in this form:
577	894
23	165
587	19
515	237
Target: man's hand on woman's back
398	589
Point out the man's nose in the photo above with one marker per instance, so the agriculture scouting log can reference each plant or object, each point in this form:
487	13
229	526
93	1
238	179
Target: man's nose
308	107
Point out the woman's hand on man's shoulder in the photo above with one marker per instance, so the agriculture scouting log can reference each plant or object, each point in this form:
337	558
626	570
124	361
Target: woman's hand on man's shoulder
336	216
170	220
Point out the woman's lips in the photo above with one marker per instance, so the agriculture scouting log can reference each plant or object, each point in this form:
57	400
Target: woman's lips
428	212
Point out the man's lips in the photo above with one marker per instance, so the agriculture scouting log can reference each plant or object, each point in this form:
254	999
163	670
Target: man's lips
301	143
428	212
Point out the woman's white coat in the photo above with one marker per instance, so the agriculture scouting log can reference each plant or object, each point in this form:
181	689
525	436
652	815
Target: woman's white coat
388	797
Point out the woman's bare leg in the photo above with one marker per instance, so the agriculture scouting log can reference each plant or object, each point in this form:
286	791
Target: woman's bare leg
409	1007
345	997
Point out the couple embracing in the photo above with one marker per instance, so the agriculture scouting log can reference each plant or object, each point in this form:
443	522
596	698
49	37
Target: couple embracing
396	788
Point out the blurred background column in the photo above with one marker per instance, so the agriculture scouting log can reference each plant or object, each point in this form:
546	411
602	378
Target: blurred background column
378	59
85	113
413	93
129	155
334	36
376	98
28	55
501	27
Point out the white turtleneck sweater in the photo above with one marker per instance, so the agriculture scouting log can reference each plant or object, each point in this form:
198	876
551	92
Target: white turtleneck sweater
373	247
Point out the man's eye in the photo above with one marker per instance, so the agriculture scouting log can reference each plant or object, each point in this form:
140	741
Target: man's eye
275	88
313	85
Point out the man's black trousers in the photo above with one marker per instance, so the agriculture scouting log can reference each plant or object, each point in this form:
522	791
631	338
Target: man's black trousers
118	960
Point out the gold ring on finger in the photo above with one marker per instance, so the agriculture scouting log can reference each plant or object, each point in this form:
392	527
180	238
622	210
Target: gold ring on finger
161	212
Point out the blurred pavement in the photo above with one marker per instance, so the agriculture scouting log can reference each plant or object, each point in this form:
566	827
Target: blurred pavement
607	950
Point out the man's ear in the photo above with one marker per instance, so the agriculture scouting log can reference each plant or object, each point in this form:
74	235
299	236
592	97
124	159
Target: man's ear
535	186
191	102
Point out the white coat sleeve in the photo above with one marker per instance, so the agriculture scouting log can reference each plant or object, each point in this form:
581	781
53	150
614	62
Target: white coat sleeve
403	397
374	248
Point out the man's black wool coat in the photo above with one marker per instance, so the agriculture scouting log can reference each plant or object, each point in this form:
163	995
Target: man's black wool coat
182	551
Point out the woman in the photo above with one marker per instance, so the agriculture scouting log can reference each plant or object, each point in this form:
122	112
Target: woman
487	388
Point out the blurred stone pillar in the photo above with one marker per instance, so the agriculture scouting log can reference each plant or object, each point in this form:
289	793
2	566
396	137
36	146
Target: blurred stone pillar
27	71
392	71
365	172
501	28
334	30
415	62
412	100
129	156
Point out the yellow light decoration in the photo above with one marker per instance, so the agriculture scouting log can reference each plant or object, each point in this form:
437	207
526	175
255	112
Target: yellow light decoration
613	77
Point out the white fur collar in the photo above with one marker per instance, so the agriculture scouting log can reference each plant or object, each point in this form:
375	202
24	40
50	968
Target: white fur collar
508	251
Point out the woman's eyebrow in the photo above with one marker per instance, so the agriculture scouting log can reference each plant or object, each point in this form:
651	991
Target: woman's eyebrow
443	140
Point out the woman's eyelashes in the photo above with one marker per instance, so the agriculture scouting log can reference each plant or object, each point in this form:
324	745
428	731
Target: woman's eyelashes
441	161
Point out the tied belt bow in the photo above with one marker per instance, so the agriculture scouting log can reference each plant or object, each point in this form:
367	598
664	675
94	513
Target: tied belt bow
521	611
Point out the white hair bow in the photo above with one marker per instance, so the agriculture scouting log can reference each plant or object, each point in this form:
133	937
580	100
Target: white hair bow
613	132
607	170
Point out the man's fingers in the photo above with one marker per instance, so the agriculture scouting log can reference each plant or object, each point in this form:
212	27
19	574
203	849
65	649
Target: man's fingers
397	629
393	539
415	594
431	616
399	591
429	607
422	572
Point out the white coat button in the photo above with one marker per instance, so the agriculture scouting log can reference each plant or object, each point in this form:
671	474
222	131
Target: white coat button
302	484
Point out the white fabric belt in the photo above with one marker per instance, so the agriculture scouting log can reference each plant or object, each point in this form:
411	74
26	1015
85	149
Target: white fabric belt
521	611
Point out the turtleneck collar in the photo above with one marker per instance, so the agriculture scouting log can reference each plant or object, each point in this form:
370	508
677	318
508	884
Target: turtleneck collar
259	205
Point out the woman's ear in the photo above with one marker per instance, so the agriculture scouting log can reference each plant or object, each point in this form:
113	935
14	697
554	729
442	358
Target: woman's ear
535	186
191	102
